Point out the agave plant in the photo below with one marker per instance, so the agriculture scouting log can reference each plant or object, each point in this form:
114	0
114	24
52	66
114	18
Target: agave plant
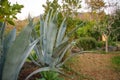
14	51
53	45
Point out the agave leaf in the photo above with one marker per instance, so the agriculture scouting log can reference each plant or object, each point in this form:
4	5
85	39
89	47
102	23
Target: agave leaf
37	71
2	31
26	53
45	33
57	70
51	36
59	65
58	53
58	50
63	53
51	15
45	69
34	61
41	31
9	40
6	44
40	54
15	54
66	38
61	33
54	18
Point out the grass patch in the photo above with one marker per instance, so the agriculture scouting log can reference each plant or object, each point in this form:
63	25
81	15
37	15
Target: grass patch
116	63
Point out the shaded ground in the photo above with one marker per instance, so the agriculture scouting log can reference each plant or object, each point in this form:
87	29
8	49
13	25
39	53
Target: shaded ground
26	70
93	67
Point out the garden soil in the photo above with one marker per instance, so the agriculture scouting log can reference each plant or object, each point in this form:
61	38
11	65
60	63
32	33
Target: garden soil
87	66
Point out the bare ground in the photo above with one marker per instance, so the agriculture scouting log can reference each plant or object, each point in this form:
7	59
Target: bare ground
91	66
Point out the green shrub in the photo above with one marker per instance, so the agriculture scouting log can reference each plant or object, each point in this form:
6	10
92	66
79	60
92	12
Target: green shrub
112	43
100	44
86	43
116	63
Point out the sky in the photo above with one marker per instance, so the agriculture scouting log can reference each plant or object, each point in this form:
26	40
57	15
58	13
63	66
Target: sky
34	7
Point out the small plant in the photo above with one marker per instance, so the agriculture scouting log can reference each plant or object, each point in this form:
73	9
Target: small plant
50	75
116	63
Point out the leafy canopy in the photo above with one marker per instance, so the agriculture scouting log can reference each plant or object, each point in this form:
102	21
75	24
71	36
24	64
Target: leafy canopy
8	11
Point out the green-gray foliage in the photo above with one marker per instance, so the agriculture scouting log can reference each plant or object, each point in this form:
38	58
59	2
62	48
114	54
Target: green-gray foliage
53	44
14	51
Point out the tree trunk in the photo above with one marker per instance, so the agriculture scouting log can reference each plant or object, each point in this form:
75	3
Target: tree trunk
106	45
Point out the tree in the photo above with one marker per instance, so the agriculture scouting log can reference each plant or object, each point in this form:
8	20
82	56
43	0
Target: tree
51	5
104	23
106	28
116	25
8	12
95	5
70	7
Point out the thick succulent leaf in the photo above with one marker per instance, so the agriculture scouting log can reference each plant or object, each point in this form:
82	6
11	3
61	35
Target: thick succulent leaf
37	71
51	34
26	53
9	40
61	33
51	15
48	60
41	31
34	61
66	38
2	30
58	50
57	70
40	54
6	44
63	53
46	69
15	54
45	33
59	65
54	18
51	37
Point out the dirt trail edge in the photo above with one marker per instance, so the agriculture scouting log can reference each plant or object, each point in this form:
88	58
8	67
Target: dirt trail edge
96	66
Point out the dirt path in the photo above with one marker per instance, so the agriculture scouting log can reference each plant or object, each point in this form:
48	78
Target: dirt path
94	66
